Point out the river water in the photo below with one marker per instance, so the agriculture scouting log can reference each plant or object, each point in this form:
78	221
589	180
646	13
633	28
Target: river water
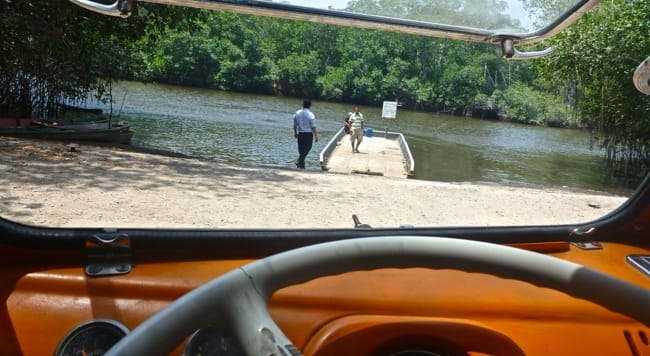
256	129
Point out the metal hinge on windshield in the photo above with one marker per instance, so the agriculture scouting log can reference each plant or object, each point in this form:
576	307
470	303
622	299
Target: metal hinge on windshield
509	51
121	8
580	239
109	253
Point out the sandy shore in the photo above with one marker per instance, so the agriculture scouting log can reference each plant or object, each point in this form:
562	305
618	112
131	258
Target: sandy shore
56	184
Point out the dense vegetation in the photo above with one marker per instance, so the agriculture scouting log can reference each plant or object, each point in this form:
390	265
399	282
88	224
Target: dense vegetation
594	66
271	56
55	51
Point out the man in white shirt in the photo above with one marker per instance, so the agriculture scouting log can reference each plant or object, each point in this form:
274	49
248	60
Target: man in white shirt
305	131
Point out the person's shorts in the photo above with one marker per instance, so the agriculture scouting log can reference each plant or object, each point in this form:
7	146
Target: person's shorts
356	134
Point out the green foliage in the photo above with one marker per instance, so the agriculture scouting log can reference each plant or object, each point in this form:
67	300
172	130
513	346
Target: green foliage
297	74
54	51
41	64
334	84
597	57
224	52
228	51
529	106
460	84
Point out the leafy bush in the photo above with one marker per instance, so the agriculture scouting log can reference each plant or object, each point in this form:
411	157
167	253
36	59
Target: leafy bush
530	106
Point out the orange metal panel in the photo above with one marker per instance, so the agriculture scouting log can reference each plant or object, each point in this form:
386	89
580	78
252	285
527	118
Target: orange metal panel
357	311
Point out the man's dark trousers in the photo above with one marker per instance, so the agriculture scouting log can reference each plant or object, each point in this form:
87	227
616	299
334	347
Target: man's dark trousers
305	141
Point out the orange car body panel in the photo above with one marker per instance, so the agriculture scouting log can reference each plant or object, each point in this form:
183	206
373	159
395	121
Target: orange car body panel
46	294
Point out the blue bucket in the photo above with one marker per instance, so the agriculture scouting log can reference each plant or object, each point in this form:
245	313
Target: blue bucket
368	132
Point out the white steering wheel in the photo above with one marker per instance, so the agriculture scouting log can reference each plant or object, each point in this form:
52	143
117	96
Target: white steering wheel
238	300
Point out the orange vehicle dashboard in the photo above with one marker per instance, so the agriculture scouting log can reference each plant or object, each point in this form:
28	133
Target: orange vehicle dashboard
52	305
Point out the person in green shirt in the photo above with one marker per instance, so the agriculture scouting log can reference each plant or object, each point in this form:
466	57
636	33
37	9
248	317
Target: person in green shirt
357	125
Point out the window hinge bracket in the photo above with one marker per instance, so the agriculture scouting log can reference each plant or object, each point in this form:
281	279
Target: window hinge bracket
580	237
121	8
509	51
109	253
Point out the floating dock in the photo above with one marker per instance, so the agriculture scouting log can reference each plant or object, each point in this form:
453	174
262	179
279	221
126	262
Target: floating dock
382	153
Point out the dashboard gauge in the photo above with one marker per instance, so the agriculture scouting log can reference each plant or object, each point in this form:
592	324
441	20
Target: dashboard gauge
93	337
213	341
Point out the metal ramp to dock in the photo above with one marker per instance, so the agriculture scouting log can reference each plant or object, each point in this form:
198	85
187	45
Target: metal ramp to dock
383	154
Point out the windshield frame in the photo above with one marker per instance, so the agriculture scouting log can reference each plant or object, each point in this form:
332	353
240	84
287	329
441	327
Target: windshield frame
123	8
205	2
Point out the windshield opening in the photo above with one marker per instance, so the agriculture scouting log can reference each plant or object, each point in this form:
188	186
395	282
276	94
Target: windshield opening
182	117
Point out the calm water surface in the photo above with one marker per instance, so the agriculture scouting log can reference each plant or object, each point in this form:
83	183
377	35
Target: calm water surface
255	129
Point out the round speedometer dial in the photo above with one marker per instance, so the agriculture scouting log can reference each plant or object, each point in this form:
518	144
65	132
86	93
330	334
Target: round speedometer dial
213	341
94	337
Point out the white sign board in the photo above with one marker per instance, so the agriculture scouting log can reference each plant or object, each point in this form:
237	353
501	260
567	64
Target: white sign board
389	110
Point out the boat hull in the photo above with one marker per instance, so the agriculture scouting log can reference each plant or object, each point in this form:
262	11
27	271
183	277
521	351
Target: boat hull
118	133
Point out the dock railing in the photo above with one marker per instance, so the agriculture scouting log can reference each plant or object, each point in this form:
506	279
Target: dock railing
404	147
329	148
406	151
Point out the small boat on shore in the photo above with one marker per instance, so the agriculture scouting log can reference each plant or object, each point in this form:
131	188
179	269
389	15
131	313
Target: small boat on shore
90	125
120	133
65	107
98	123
